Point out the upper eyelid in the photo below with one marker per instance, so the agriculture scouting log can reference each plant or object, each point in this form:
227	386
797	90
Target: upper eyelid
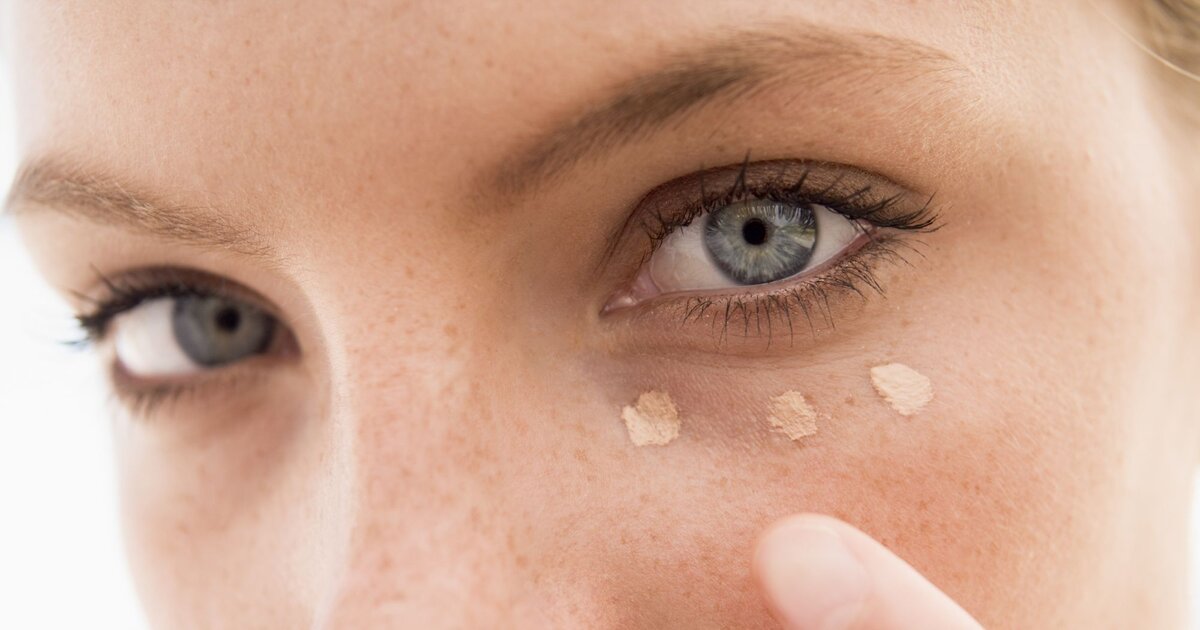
127	290
842	180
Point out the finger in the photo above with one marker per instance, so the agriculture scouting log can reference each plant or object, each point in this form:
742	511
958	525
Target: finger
819	573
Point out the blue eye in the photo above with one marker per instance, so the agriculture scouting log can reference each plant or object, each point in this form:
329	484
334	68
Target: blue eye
751	242
213	331
768	229
760	241
170	336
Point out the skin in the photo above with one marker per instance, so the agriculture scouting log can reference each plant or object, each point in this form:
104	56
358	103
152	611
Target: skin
443	446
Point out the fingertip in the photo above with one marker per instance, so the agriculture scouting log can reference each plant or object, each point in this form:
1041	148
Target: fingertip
810	576
818	572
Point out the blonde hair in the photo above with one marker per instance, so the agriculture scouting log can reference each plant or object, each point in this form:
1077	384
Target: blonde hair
1173	33
1172	36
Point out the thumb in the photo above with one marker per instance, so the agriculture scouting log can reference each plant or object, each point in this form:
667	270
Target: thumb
819	573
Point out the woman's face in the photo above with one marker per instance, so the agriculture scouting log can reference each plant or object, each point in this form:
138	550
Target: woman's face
457	239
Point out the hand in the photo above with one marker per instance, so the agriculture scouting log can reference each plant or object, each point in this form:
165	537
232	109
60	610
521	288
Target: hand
819	573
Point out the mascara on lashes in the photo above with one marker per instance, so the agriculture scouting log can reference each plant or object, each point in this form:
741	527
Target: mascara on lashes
890	209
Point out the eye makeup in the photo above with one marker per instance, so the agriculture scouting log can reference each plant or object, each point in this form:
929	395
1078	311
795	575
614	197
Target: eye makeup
905	389
852	192
653	420
882	213
791	415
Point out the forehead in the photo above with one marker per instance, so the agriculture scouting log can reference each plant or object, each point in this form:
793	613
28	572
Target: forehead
235	98
402	66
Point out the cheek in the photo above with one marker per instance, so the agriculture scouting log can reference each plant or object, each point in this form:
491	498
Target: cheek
1000	490
224	509
996	486
1000	483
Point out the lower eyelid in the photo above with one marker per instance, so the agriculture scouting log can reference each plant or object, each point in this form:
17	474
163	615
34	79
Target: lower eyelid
775	315
145	396
643	289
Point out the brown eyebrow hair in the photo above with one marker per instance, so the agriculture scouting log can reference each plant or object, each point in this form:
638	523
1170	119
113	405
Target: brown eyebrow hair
87	193
732	68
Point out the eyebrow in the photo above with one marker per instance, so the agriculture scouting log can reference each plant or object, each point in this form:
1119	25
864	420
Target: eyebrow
731	69
726	70
59	185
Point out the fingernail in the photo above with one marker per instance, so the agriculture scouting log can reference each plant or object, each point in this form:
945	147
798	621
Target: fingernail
814	581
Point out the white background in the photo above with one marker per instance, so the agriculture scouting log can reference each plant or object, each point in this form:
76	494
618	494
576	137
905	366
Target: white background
61	560
61	563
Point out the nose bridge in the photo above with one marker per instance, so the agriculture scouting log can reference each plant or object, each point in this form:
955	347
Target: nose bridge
426	454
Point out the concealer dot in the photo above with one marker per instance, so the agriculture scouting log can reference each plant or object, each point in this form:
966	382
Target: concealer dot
905	389
792	415
654	420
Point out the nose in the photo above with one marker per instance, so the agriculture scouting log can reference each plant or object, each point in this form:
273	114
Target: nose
430	465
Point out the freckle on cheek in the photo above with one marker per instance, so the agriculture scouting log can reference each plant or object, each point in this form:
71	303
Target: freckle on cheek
654	420
793	416
905	389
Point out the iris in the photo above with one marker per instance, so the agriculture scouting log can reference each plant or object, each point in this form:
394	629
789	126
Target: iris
213	331
759	241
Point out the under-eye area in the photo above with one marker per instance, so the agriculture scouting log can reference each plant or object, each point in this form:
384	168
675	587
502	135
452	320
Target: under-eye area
760	250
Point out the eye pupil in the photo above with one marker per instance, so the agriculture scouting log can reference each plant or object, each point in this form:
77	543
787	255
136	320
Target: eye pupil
214	331
228	319
759	240
754	231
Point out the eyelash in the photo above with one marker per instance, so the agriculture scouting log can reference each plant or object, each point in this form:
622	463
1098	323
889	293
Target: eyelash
854	272
128	291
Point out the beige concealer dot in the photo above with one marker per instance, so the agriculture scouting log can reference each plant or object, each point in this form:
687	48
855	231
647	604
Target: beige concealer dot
905	389
793	416
653	421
